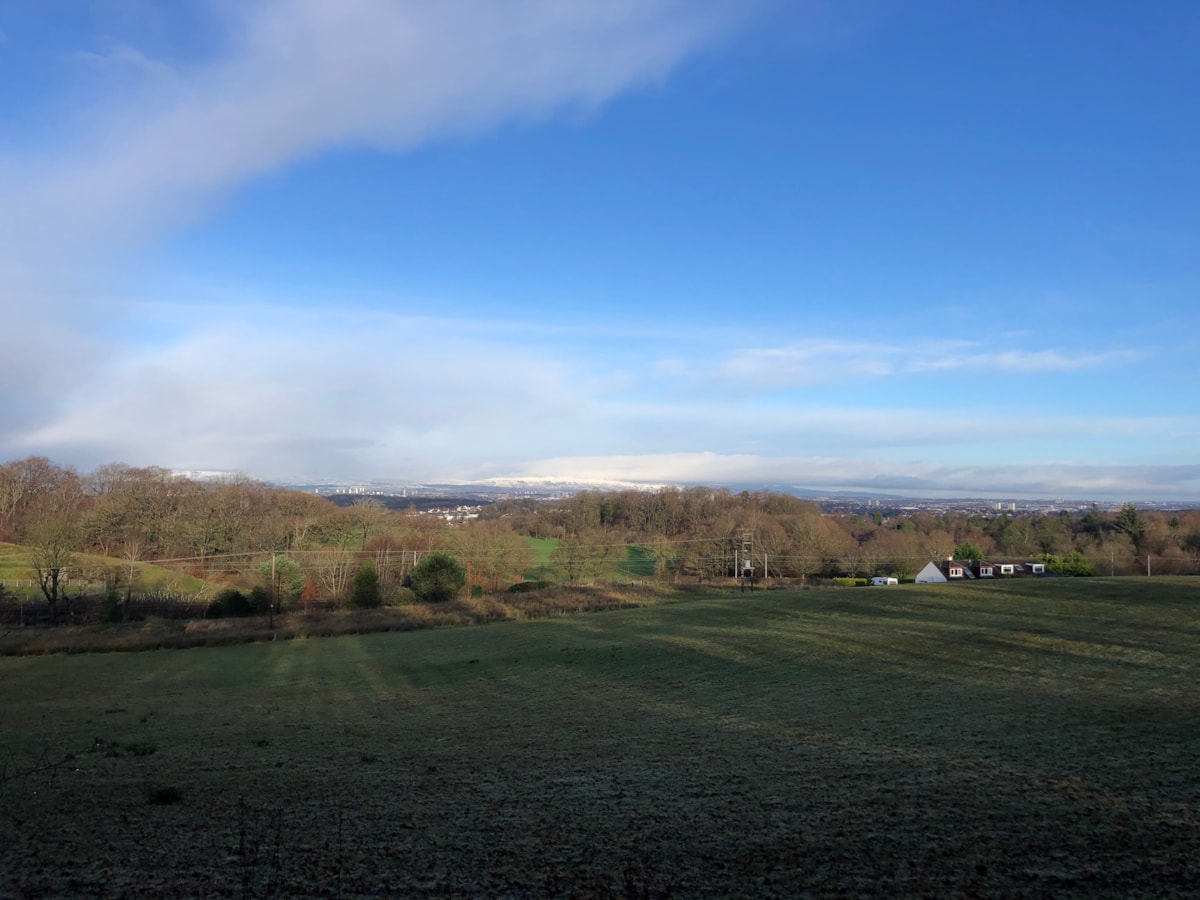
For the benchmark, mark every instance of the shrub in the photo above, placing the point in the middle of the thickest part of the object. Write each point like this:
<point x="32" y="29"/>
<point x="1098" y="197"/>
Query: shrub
<point x="111" y="611"/>
<point x="260" y="600"/>
<point x="1074" y="564"/>
<point x="365" y="593"/>
<point x="850" y="582"/>
<point x="438" y="577"/>
<point x="524" y="587"/>
<point x="230" y="602"/>
<point x="402" y="596"/>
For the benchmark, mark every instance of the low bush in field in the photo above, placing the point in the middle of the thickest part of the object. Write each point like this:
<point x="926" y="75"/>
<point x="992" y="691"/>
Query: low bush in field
<point x="229" y="602"/>
<point x="524" y="587"/>
<point x="850" y="582"/>
<point x="402" y="596"/>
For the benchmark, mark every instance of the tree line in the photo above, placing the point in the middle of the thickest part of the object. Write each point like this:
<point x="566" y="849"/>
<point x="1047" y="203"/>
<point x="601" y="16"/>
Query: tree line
<point x="696" y="532"/>
<point x="223" y="531"/>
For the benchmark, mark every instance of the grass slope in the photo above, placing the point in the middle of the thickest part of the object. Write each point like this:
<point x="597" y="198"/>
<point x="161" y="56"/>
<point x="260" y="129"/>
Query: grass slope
<point x="1023" y="739"/>
<point x="540" y="563"/>
<point x="633" y="562"/>
<point x="16" y="566"/>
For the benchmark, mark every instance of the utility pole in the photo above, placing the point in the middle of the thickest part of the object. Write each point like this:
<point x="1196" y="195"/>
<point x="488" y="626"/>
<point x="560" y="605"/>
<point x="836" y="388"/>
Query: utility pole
<point x="746" y="575"/>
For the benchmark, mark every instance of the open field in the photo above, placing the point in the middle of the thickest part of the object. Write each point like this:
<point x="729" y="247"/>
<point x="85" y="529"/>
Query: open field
<point x="1028" y="738"/>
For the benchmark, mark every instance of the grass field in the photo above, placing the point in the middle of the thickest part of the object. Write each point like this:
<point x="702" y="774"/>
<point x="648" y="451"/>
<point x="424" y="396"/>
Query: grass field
<point x="1030" y="738"/>
<point x="632" y="562"/>
<point x="16" y="571"/>
<point x="539" y="565"/>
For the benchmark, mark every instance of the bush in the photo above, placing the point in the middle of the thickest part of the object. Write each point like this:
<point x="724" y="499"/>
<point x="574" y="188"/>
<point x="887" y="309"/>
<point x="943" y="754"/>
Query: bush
<point x="230" y="602"/>
<point x="850" y="582"/>
<point x="438" y="577"/>
<point x="260" y="600"/>
<point x="1073" y="564"/>
<point x="111" y="611"/>
<point x="365" y="594"/>
<point x="402" y="596"/>
<point x="524" y="587"/>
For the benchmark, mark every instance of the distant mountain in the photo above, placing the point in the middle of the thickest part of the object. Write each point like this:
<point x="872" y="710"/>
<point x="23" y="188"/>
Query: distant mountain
<point x="539" y="486"/>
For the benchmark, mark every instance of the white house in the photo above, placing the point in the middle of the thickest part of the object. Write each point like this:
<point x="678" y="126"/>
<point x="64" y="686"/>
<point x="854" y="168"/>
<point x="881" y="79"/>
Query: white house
<point x="946" y="570"/>
<point x="931" y="574"/>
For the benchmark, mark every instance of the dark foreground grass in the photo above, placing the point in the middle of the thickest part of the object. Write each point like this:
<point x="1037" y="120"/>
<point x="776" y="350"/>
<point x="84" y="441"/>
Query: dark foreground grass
<point x="1025" y="739"/>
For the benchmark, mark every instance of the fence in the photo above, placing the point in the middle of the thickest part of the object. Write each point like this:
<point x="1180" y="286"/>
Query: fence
<point x="18" y="612"/>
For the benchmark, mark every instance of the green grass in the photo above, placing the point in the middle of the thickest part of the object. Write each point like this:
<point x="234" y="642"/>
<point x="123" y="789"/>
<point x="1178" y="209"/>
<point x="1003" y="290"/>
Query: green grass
<point x="16" y="565"/>
<point x="1017" y="739"/>
<point x="638" y="563"/>
<point x="540" y="566"/>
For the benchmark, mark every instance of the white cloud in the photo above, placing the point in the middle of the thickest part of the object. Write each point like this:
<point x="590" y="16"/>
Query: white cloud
<point x="821" y="361"/>
<point x="302" y="76"/>
<point x="320" y="394"/>
<point x="297" y="77"/>
<point x="894" y="476"/>
<point x="289" y="395"/>
<point x="1022" y="362"/>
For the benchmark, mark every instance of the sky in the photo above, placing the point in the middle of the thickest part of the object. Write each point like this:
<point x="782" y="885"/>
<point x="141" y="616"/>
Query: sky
<point x="917" y="247"/>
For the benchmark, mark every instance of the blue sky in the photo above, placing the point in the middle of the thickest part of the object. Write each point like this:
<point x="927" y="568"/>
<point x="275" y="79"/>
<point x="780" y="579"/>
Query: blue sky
<point x="917" y="247"/>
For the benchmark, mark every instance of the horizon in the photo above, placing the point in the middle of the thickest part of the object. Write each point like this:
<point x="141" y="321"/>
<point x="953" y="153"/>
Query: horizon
<point x="883" y="248"/>
<point x="534" y="485"/>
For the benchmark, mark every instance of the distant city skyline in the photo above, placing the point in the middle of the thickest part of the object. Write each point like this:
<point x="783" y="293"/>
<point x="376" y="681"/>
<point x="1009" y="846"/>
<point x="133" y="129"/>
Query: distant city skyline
<point x="924" y="249"/>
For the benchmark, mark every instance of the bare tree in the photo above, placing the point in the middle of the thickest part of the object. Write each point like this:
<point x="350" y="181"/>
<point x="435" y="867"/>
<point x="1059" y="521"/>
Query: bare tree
<point x="334" y="571"/>
<point x="52" y="544"/>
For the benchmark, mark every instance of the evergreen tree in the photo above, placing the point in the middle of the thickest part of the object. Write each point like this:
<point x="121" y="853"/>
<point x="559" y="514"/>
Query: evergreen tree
<point x="365" y="594"/>
<point x="438" y="577"/>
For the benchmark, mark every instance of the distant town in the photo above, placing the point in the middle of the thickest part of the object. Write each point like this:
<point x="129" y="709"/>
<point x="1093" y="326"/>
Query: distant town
<point x="459" y="501"/>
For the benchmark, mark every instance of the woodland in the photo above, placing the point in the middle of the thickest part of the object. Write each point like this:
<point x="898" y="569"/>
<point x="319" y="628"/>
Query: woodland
<point x="65" y="534"/>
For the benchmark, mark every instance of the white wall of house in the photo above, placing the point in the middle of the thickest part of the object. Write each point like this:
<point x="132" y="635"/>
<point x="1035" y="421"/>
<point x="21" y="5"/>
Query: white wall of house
<point x="931" y="574"/>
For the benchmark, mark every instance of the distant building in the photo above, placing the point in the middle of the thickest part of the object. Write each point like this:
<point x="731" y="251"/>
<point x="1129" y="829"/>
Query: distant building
<point x="945" y="570"/>
<point x="941" y="571"/>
